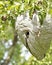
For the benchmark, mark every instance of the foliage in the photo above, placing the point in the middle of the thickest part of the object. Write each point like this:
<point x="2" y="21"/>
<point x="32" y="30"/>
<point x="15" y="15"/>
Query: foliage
<point x="9" y="10"/>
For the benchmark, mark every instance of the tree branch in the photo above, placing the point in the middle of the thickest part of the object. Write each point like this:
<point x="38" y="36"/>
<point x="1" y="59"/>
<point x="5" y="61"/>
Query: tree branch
<point x="11" y="50"/>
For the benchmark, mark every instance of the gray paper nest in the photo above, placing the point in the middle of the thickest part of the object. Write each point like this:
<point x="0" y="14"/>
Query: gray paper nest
<point x="35" y="37"/>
